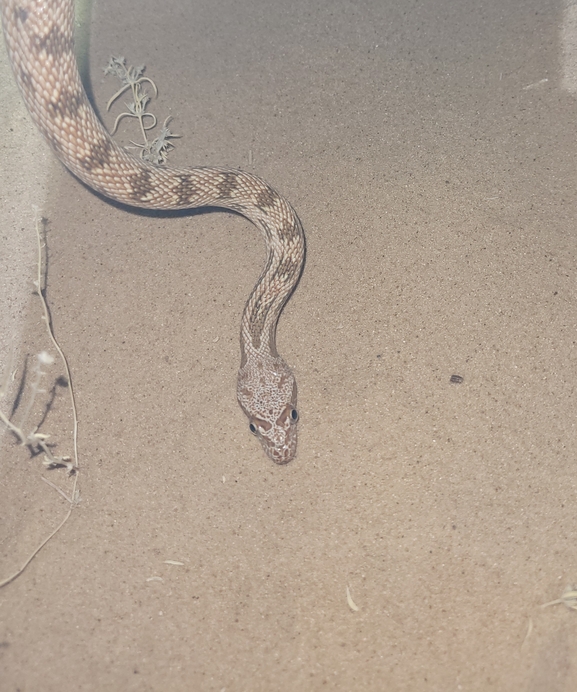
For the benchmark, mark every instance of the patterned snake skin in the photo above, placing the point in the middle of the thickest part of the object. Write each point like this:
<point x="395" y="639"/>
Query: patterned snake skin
<point x="39" y="37"/>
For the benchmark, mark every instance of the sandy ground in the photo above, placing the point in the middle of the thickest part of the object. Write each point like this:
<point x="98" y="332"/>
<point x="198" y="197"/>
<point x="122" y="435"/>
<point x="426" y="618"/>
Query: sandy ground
<point x="430" y="151"/>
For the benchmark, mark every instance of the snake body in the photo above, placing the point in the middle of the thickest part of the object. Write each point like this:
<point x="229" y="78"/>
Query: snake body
<point x="40" y="42"/>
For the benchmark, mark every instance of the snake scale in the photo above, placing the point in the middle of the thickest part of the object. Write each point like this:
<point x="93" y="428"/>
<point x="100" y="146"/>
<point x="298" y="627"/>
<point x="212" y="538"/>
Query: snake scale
<point x="40" y="43"/>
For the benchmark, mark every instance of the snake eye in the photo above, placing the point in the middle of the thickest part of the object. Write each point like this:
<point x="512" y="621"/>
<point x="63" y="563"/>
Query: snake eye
<point x="294" y="415"/>
<point x="252" y="428"/>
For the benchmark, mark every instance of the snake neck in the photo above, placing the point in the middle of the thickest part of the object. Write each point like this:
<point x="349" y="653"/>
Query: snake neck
<point x="285" y="244"/>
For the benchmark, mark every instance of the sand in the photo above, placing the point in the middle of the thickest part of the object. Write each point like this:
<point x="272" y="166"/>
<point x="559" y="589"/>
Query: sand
<point x="429" y="149"/>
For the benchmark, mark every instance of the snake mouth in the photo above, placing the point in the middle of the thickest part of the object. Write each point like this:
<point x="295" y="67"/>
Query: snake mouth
<point x="281" y="454"/>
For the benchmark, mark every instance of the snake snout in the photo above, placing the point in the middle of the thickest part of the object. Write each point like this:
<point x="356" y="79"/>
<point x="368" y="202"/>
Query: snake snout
<point x="281" y="445"/>
<point x="281" y="455"/>
<point x="278" y="439"/>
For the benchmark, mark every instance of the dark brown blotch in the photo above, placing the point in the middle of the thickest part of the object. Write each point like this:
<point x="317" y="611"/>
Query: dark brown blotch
<point x="21" y="14"/>
<point x="67" y="105"/>
<point x="290" y="230"/>
<point x="287" y="267"/>
<point x="98" y="156"/>
<point x="266" y="197"/>
<point x="183" y="190"/>
<point x="140" y="182"/>
<point x="227" y="185"/>
<point x="55" y="43"/>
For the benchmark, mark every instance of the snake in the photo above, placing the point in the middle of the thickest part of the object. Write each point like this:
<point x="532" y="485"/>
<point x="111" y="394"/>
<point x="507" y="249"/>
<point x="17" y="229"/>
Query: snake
<point x="39" y="36"/>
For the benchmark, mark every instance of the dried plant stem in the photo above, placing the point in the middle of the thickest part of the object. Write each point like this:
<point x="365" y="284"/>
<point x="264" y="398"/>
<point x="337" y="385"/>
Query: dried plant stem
<point x="74" y="498"/>
<point x="40" y="284"/>
<point x="35" y="552"/>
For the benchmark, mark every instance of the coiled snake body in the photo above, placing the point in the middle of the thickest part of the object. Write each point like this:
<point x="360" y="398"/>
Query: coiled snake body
<point x="39" y="37"/>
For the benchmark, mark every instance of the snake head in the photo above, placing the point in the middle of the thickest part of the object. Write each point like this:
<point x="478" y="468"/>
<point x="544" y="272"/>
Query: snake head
<point x="267" y="393"/>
